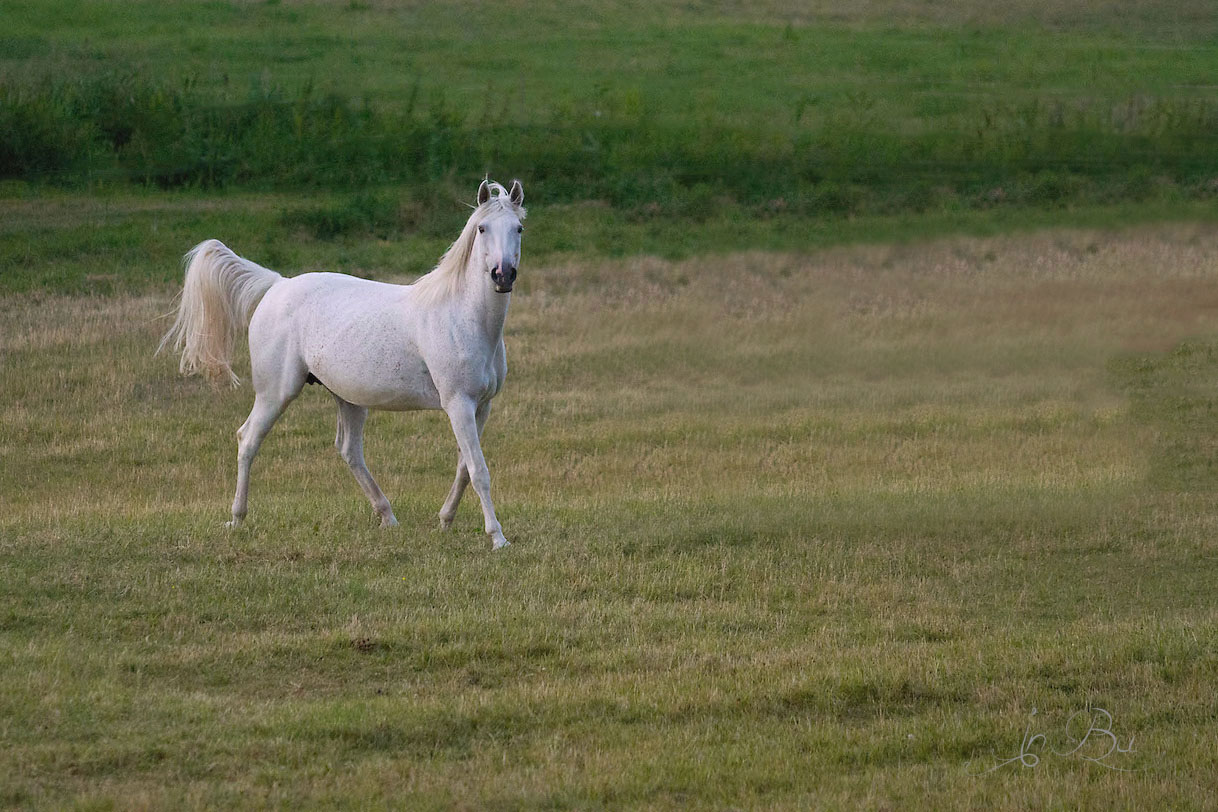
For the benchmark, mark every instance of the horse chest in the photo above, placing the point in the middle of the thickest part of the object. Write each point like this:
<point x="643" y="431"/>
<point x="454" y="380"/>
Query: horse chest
<point x="479" y="375"/>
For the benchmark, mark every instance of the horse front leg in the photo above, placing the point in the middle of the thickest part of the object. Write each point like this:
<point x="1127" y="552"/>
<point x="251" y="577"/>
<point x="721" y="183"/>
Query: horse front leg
<point x="462" y="413"/>
<point x="449" y="511"/>
<point x="349" y="441"/>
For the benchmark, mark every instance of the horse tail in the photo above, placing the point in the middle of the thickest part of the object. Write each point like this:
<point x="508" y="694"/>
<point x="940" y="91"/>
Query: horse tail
<point x="216" y="304"/>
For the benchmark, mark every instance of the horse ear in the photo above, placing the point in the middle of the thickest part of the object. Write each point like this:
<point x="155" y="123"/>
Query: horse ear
<point x="517" y="193"/>
<point x="484" y="192"/>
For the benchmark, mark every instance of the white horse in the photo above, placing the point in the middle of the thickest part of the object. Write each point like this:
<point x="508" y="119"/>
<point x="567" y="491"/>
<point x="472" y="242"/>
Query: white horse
<point x="436" y="344"/>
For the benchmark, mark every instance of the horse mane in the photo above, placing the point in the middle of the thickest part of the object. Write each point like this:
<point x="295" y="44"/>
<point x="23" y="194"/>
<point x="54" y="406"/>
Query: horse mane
<point x="444" y="281"/>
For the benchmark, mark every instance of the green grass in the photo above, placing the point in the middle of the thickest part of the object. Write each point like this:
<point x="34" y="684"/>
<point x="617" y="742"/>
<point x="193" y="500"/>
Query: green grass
<point x="790" y="530"/>
<point x="660" y="109"/>
<point x="126" y="241"/>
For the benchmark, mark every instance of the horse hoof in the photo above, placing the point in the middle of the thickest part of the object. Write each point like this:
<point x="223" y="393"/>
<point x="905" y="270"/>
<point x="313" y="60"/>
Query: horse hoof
<point x="446" y="525"/>
<point x="500" y="543"/>
<point x="233" y="525"/>
<point x="390" y="522"/>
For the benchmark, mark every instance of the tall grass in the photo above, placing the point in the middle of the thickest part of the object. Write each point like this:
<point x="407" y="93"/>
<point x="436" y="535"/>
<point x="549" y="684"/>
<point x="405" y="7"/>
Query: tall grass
<point x="661" y="110"/>
<point x="123" y="127"/>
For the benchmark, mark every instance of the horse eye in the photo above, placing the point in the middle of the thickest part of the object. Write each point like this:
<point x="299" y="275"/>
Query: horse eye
<point x="519" y="229"/>
<point x="481" y="229"/>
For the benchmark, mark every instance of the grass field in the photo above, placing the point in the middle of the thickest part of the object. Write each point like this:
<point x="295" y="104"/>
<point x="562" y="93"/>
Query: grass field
<point x="860" y="420"/>
<point x="672" y="111"/>
<point x="790" y="530"/>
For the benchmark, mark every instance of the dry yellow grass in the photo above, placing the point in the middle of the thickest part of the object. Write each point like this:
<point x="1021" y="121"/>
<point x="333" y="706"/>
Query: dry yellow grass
<point x="916" y="357"/>
<point x="791" y="531"/>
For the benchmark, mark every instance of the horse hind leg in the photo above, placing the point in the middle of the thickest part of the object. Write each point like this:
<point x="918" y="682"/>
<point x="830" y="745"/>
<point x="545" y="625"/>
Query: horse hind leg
<point x="267" y="409"/>
<point x="349" y="440"/>
<point x="339" y="434"/>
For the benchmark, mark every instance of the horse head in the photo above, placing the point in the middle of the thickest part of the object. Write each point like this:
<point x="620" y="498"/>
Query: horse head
<point x="497" y="243"/>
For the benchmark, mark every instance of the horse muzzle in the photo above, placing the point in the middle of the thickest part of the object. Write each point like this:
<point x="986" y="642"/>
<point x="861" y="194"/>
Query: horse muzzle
<point x="504" y="279"/>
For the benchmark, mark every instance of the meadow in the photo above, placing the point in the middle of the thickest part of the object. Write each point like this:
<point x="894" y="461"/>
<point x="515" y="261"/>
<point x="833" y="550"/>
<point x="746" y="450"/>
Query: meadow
<point x="816" y="530"/>
<point x="828" y="504"/>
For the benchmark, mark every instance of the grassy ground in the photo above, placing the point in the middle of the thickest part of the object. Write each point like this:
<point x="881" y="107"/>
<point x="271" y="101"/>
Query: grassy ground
<point x="382" y="48"/>
<point x="799" y="519"/>
<point x="791" y="530"/>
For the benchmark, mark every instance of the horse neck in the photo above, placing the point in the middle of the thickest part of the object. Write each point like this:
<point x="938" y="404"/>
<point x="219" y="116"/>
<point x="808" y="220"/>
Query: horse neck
<point x="481" y="306"/>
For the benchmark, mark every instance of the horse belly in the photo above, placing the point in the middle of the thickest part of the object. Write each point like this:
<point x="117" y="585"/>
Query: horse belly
<point x="365" y="357"/>
<point x="396" y="384"/>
